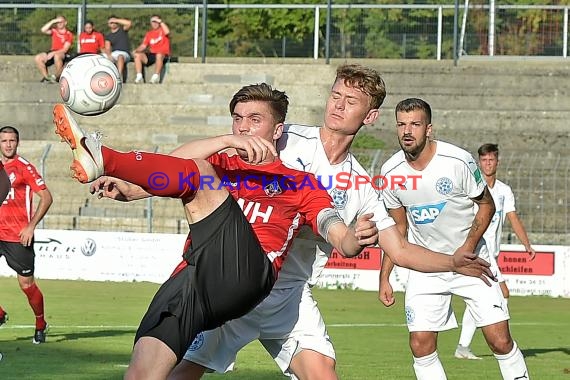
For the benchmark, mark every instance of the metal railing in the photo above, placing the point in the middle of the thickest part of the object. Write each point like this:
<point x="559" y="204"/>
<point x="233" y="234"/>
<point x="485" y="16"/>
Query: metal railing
<point x="349" y="31"/>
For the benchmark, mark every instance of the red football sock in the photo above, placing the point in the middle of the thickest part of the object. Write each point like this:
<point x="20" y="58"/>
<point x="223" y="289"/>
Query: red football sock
<point x="2" y="312"/>
<point x="36" y="301"/>
<point x="158" y="174"/>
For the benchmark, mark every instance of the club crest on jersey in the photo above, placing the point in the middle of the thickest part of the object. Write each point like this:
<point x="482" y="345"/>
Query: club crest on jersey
<point x="339" y="197"/>
<point x="426" y="214"/>
<point x="444" y="186"/>
<point x="273" y="188"/>
<point x="197" y="342"/>
<point x="410" y="315"/>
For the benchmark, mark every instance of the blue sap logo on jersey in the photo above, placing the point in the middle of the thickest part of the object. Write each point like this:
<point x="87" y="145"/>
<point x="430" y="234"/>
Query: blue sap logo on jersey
<point x="426" y="214"/>
<point x="197" y="343"/>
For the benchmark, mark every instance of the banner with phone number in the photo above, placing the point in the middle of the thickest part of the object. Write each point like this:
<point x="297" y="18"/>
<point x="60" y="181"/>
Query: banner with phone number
<point x="548" y="274"/>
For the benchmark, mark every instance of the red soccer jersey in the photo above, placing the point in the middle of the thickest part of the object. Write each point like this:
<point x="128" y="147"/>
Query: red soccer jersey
<point x="276" y="200"/>
<point x="157" y="41"/>
<point x="58" y="40"/>
<point x="16" y="211"/>
<point x="91" y="42"/>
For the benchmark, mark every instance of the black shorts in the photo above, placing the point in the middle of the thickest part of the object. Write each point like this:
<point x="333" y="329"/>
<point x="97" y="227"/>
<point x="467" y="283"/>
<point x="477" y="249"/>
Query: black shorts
<point x="228" y="274"/>
<point x="51" y="61"/>
<point x="19" y="257"/>
<point x="151" y="59"/>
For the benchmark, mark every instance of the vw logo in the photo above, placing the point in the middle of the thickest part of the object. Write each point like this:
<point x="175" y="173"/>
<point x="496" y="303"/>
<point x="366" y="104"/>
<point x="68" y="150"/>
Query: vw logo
<point x="88" y="247"/>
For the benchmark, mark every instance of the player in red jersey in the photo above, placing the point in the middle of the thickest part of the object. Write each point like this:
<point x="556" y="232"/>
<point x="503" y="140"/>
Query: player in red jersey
<point x="61" y="40"/>
<point x="237" y="243"/>
<point x="90" y="40"/>
<point x="157" y="41"/>
<point x="4" y="185"/>
<point x="18" y="222"/>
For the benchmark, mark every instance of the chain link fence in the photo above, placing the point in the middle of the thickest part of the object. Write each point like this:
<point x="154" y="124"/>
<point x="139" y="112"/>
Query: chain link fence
<point x="357" y="30"/>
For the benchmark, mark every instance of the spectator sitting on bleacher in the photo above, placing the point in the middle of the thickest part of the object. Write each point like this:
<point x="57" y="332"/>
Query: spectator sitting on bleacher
<point x="61" y="40"/>
<point x="158" y="43"/>
<point x="117" y="43"/>
<point x="90" y="40"/>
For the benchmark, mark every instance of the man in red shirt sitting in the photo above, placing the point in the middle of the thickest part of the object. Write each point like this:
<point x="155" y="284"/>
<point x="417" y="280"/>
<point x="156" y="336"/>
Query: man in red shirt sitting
<point x="61" y="40"/>
<point x="157" y="41"/>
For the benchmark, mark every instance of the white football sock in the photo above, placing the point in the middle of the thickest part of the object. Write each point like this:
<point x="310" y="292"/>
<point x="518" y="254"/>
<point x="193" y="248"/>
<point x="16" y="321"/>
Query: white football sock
<point x="429" y="367"/>
<point x="467" y="329"/>
<point x="512" y="365"/>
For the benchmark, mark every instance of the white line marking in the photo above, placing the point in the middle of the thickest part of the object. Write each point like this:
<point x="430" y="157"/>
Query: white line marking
<point x="340" y="325"/>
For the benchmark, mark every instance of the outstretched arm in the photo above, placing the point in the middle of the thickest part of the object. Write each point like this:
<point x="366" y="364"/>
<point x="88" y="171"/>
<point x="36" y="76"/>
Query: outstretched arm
<point x="408" y="255"/>
<point x="349" y="241"/>
<point x="252" y="148"/>
<point x="117" y="189"/>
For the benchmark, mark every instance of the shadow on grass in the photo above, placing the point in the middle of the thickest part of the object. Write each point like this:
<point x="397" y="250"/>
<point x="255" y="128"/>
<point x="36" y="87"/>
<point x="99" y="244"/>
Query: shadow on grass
<point x="537" y="351"/>
<point x="61" y="336"/>
<point x="242" y="373"/>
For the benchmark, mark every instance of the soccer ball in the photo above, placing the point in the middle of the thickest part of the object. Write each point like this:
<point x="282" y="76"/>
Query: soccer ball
<point x="90" y="85"/>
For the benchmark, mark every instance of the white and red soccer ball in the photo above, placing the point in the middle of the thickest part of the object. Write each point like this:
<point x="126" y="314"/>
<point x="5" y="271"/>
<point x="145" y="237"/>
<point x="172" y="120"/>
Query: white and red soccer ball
<point x="90" y="84"/>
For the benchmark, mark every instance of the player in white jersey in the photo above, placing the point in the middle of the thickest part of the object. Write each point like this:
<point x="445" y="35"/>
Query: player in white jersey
<point x="288" y="322"/>
<point x="504" y="208"/>
<point x="447" y="208"/>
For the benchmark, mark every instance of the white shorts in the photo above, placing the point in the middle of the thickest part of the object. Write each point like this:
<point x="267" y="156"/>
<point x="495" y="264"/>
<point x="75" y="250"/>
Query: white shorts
<point x="495" y="268"/>
<point x="428" y="301"/>
<point x="286" y="322"/>
<point x="120" y="53"/>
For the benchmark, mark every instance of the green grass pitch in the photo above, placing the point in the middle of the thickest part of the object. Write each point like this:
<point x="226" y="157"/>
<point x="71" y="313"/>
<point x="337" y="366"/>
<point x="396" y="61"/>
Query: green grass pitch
<point x="93" y="324"/>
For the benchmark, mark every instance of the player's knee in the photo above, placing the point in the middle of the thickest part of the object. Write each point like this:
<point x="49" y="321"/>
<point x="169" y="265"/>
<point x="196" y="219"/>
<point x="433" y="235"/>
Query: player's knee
<point x="133" y="373"/>
<point x="312" y="365"/>
<point x="186" y="370"/>
<point x="423" y="344"/>
<point x="501" y="344"/>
